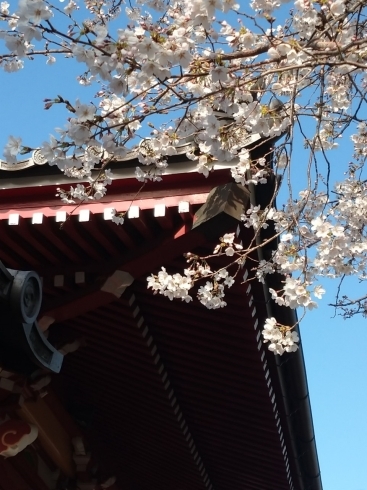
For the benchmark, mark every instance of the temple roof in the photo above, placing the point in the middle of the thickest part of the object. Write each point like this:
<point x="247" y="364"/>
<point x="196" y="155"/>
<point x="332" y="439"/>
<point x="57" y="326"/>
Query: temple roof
<point x="170" y="396"/>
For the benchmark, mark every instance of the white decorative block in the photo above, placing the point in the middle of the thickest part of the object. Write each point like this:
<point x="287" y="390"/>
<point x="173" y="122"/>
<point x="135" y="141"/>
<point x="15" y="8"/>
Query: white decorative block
<point x="37" y="218"/>
<point x="133" y="212"/>
<point x="84" y="215"/>
<point x="159" y="210"/>
<point x="59" y="281"/>
<point x="80" y="277"/>
<point x="13" y="219"/>
<point x="183" y="207"/>
<point x="60" y="216"/>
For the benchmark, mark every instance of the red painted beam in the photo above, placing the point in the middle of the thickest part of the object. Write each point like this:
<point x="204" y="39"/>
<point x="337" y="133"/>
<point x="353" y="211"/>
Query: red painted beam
<point x="139" y="264"/>
<point x="220" y="213"/>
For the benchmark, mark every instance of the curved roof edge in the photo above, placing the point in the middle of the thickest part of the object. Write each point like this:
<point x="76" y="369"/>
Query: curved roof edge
<point x="290" y="368"/>
<point x="35" y="171"/>
<point x="293" y="384"/>
<point x="30" y="175"/>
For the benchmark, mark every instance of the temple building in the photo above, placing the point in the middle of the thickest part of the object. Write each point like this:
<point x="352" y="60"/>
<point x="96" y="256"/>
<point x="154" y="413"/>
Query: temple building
<point x="105" y="385"/>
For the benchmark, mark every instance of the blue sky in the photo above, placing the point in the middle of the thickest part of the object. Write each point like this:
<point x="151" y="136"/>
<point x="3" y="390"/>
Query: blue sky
<point x="336" y="364"/>
<point x="335" y="350"/>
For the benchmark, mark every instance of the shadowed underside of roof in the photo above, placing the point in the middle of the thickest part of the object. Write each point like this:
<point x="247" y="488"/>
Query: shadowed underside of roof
<point x="176" y="395"/>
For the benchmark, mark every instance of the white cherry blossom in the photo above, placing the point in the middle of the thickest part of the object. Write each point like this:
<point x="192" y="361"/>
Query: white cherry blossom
<point x="281" y="339"/>
<point x="190" y="78"/>
<point x="12" y="149"/>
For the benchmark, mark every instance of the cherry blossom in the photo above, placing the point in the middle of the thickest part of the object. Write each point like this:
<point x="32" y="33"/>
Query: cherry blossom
<point x="227" y="245"/>
<point x="218" y="79"/>
<point x="172" y="286"/>
<point x="117" y="218"/>
<point x="282" y="339"/>
<point x="12" y="148"/>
